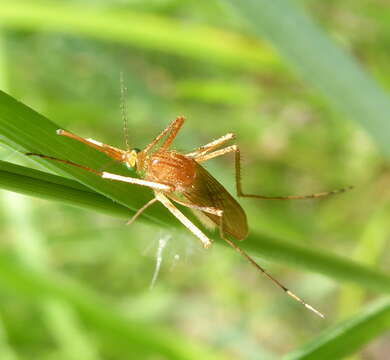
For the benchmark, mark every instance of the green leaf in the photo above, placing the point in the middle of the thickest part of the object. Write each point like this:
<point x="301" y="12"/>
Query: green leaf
<point x="145" y="31"/>
<point x="321" y="63"/>
<point x="52" y="187"/>
<point x="347" y="337"/>
<point x="25" y="130"/>
<point x="319" y="261"/>
<point x="111" y="325"/>
<point x="22" y="128"/>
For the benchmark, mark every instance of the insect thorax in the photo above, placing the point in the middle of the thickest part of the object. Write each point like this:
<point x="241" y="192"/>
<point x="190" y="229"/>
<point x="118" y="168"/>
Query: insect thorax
<point x="171" y="168"/>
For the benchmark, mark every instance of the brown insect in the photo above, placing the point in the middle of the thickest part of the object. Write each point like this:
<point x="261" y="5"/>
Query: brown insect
<point x="180" y="178"/>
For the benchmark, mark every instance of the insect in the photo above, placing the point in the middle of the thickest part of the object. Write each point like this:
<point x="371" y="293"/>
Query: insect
<point x="180" y="178"/>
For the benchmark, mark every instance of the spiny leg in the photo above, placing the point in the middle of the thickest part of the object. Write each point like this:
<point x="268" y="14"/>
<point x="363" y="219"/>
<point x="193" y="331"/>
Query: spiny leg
<point x="211" y="146"/>
<point x="173" y="128"/>
<point x="183" y="219"/>
<point x="107" y="175"/>
<point x="240" y="193"/>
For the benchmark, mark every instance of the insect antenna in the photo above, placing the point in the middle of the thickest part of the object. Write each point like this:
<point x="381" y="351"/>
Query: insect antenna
<point x="269" y="276"/>
<point x="124" y="110"/>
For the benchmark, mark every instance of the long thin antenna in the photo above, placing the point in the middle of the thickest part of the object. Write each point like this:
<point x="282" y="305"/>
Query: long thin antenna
<point x="269" y="276"/>
<point x="124" y="109"/>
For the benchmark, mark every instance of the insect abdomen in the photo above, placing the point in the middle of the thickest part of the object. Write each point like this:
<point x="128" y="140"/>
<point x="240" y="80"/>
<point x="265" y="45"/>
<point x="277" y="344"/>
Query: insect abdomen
<point x="208" y="192"/>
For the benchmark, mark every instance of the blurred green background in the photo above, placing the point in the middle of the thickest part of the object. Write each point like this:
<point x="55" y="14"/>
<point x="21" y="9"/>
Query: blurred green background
<point x="76" y="284"/>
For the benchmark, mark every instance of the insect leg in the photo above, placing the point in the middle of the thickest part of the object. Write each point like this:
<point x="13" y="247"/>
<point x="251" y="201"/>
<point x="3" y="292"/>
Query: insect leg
<point x="136" y="181"/>
<point x="107" y="175"/>
<point x="112" y="152"/>
<point x="240" y="193"/>
<point x="183" y="219"/>
<point x="211" y="146"/>
<point x="266" y="273"/>
<point x="140" y="211"/>
<point x="173" y="128"/>
<point x="219" y="213"/>
<point x="208" y="209"/>
<point x="214" y="154"/>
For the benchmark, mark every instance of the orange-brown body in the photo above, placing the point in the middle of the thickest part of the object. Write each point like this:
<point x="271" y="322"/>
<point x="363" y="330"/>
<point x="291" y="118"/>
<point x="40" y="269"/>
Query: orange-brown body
<point x="171" y="168"/>
<point x="189" y="180"/>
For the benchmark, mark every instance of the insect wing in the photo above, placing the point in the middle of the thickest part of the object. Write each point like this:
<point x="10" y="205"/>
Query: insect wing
<point x="208" y="192"/>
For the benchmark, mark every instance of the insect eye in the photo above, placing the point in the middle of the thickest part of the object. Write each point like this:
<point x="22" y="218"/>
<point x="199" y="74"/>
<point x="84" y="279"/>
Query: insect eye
<point x="136" y="150"/>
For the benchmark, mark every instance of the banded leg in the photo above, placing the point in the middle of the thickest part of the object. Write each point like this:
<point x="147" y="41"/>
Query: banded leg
<point x="107" y="175"/>
<point x="240" y="193"/>
<point x="269" y="276"/>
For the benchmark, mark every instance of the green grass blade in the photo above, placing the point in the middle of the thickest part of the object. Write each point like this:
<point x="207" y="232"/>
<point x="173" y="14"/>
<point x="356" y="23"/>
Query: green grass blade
<point x="369" y="250"/>
<point x="36" y="183"/>
<point x="25" y="130"/>
<point x="52" y="187"/>
<point x="349" y="336"/>
<point x="6" y="350"/>
<point x="22" y="128"/>
<point x="321" y="63"/>
<point x="109" y="323"/>
<point x="146" y="31"/>
<point x="333" y="266"/>
<point x="29" y="245"/>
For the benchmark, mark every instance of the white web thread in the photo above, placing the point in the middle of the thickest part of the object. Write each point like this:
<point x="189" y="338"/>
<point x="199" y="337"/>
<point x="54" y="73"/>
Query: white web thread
<point x="176" y="259"/>
<point x="161" y="246"/>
